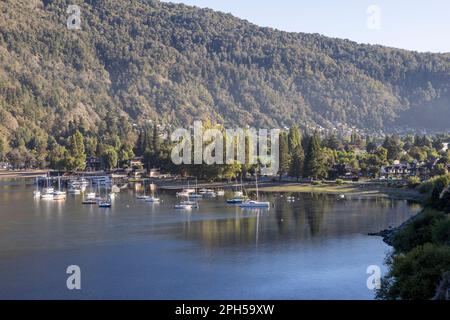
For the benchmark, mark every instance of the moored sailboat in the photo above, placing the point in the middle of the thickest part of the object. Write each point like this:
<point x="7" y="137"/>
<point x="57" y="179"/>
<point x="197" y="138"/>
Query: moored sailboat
<point x="255" y="203"/>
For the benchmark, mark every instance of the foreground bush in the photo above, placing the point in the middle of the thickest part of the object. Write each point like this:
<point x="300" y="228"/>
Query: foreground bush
<point x="441" y="232"/>
<point x="435" y="183"/>
<point x="413" y="182"/>
<point x="418" y="232"/>
<point x="415" y="275"/>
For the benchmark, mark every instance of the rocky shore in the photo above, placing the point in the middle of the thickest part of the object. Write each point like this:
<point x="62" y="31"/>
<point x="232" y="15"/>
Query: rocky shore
<point x="389" y="234"/>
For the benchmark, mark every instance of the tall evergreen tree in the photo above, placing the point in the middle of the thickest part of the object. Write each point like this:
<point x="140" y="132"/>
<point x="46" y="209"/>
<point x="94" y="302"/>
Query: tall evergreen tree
<point x="294" y="137"/>
<point x="393" y="146"/>
<point x="297" y="154"/>
<point x="314" y="161"/>
<point x="77" y="154"/>
<point x="2" y="149"/>
<point x="156" y="144"/>
<point x="285" y="159"/>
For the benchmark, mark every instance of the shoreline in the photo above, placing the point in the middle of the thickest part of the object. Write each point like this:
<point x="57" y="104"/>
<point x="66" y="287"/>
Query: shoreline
<point x="6" y="174"/>
<point x="361" y="189"/>
<point x="353" y="189"/>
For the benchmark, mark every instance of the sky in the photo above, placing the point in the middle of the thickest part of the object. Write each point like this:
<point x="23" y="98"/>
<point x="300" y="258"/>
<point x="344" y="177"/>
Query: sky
<point x="421" y="25"/>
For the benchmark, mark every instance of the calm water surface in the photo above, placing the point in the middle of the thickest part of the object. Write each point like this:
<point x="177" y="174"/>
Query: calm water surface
<point x="313" y="248"/>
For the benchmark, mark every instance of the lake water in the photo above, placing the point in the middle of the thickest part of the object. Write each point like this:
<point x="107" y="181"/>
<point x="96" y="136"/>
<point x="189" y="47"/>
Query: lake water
<point x="313" y="248"/>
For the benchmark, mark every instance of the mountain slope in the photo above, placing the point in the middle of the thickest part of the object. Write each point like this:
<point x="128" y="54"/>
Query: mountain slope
<point x="138" y="60"/>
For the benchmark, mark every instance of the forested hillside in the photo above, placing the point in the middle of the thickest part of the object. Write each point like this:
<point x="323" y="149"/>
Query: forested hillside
<point x="142" y="59"/>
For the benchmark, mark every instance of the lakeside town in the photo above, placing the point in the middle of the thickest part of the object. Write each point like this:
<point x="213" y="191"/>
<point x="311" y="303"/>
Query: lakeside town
<point x="303" y="158"/>
<point x="392" y="166"/>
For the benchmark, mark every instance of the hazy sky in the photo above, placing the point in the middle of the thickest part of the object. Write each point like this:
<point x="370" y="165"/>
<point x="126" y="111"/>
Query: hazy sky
<point x="422" y="25"/>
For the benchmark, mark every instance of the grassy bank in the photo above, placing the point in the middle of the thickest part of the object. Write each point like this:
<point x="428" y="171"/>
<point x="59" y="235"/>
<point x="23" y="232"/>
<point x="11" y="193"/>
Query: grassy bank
<point x="359" y="189"/>
<point x="6" y="174"/>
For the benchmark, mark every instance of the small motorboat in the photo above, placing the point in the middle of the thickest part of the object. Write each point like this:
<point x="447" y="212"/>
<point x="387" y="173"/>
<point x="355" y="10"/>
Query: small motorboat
<point x="152" y="200"/>
<point x="183" y="194"/>
<point x="47" y="196"/>
<point x="254" y="204"/>
<point x="210" y="194"/>
<point x="105" y="203"/>
<point x="236" y="200"/>
<point x="89" y="201"/>
<point x="183" y="207"/>
<point x="74" y="191"/>
<point x="91" y="195"/>
<point x="48" y="190"/>
<point x="238" y="194"/>
<point x="187" y="205"/>
<point x="59" y="195"/>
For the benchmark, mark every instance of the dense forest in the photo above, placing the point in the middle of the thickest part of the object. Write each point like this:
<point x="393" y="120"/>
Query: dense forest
<point x="135" y="61"/>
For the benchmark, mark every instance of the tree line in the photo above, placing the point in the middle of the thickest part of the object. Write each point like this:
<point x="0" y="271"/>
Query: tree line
<point x="302" y="154"/>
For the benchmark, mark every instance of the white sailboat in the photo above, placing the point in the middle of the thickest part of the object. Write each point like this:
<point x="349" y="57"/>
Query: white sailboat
<point x="59" y="195"/>
<point x="47" y="192"/>
<point x="91" y="197"/>
<point x="239" y="197"/>
<point x="152" y="198"/>
<point x="196" y="195"/>
<point x="143" y="196"/>
<point x="255" y="203"/>
<point x="106" y="201"/>
<point x="37" y="192"/>
<point x="187" y="204"/>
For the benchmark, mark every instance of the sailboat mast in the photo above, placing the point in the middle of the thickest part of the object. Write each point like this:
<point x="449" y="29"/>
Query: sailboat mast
<point x="257" y="193"/>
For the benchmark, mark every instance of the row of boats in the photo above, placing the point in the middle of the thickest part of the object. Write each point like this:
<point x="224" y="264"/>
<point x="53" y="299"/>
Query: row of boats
<point x="76" y="187"/>
<point x="190" y="195"/>
<point x="238" y="199"/>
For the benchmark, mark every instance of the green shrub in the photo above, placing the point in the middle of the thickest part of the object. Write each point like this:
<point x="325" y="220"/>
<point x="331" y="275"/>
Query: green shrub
<point x="339" y="182"/>
<point x="413" y="182"/>
<point x="426" y="187"/>
<point x="316" y="183"/>
<point x="417" y="232"/>
<point x="416" y="274"/>
<point x="434" y="187"/>
<point x="441" y="232"/>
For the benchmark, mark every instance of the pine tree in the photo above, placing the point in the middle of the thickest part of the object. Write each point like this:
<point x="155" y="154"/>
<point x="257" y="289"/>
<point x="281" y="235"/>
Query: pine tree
<point x="294" y="137"/>
<point x="314" y="162"/>
<point x="156" y="144"/>
<point x="297" y="154"/>
<point x="77" y="154"/>
<point x="285" y="160"/>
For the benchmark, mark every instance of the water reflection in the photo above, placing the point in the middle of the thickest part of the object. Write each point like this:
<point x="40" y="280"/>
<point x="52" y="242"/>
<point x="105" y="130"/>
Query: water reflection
<point x="291" y="250"/>
<point x="309" y="217"/>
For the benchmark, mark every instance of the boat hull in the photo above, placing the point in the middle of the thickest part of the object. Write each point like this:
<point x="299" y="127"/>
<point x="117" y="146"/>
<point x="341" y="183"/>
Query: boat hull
<point x="255" y="205"/>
